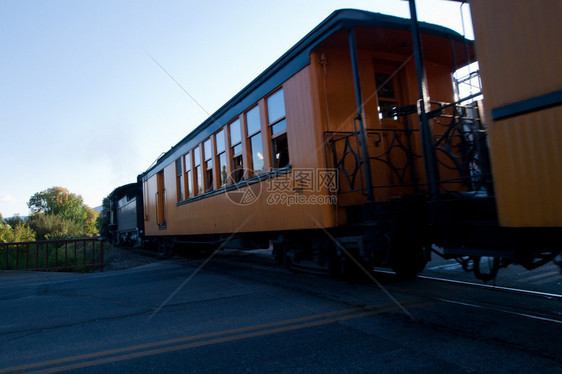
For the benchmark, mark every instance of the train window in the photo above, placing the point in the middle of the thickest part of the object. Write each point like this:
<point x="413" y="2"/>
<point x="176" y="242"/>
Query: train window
<point x="276" y="107"/>
<point x="198" y="171"/>
<point x="278" y="126"/>
<point x="387" y="95"/>
<point x="208" y="152"/>
<point x="253" y="120"/>
<point x="253" y="125"/>
<point x="238" y="167"/>
<point x="280" y="148"/>
<point x="208" y="149"/>
<point x="223" y="173"/>
<point x="385" y="86"/>
<point x="221" y="157"/>
<point x="180" y="188"/>
<point x="236" y="147"/>
<point x="188" y="175"/>
<point x="219" y="140"/>
<point x="257" y="153"/>
<point x="209" y="176"/>
<point x="235" y="134"/>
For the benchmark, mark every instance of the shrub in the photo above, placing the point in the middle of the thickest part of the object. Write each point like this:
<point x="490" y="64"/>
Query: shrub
<point x="51" y="227"/>
<point x="19" y="233"/>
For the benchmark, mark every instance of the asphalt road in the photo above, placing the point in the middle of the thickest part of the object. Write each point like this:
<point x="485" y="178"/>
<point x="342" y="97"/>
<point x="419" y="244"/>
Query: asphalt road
<point x="240" y="313"/>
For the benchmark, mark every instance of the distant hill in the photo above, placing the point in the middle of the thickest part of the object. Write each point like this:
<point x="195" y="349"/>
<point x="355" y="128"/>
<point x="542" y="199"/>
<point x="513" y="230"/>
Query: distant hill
<point x="98" y="208"/>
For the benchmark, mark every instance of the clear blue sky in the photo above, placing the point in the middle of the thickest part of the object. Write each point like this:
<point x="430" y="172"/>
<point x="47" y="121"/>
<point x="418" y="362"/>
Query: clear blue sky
<point x="84" y="106"/>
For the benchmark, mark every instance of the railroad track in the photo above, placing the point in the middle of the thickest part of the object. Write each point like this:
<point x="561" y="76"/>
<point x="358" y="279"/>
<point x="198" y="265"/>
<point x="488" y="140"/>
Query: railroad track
<point x="520" y="291"/>
<point x="519" y="302"/>
<point x="528" y="304"/>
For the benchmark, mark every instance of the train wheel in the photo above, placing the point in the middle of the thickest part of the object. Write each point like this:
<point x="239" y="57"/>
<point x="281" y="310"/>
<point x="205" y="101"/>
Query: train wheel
<point x="336" y="265"/>
<point x="408" y="258"/>
<point x="492" y="265"/>
<point x="166" y="248"/>
<point x="355" y="268"/>
<point x="284" y="255"/>
<point x="279" y="253"/>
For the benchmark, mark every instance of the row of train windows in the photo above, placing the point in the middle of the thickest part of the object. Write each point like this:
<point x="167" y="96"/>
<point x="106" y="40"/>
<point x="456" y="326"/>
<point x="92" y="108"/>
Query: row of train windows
<point x="219" y="160"/>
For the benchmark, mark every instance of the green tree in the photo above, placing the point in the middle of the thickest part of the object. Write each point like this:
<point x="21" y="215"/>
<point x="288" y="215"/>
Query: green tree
<point x="15" y="230"/>
<point x="6" y="233"/>
<point x="58" y="201"/>
<point x="91" y="221"/>
<point x="60" y="214"/>
<point x="103" y="219"/>
<point x="14" y="221"/>
<point x="23" y="233"/>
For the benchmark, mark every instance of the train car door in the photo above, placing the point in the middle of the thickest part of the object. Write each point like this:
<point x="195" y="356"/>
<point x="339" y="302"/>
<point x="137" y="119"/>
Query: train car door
<point x="160" y="200"/>
<point x="394" y="150"/>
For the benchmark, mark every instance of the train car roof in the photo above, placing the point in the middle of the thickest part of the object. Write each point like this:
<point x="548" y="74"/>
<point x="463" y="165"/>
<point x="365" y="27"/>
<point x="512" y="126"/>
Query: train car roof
<point x="127" y="189"/>
<point x="290" y="63"/>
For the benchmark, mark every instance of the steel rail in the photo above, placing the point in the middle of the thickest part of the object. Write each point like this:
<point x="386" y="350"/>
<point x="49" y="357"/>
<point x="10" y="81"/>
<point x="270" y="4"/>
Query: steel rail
<point x="520" y="291"/>
<point x="501" y="310"/>
<point x="495" y="288"/>
<point x="552" y="318"/>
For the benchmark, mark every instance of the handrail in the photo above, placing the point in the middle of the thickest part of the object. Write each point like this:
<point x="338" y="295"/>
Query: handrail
<point x="459" y="140"/>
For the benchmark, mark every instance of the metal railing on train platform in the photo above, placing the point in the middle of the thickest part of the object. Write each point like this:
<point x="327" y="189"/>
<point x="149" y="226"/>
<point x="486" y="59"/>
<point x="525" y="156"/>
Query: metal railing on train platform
<point x="395" y="154"/>
<point x="53" y="255"/>
<point x="390" y="149"/>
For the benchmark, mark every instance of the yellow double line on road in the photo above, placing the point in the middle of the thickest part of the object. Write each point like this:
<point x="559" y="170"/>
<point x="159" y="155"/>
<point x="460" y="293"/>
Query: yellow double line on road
<point x="201" y="340"/>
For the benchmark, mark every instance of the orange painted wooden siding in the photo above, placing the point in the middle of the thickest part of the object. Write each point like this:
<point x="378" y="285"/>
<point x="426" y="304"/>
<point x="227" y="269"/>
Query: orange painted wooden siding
<point x="332" y="62"/>
<point x="518" y="46"/>
<point x="218" y="214"/>
<point x="319" y="98"/>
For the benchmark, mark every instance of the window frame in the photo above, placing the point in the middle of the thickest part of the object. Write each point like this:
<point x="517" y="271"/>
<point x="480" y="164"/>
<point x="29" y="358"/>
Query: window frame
<point x="208" y="164"/>
<point x="222" y="179"/>
<point x="283" y="133"/>
<point x="389" y="68"/>
<point x="257" y="134"/>
<point x="198" y="170"/>
<point x="180" y="180"/>
<point x="232" y="145"/>
<point x="188" y="170"/>
<point x="239" y="155"/>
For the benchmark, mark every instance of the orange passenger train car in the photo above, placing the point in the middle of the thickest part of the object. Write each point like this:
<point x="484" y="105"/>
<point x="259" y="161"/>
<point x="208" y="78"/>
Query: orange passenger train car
<point x="323" y="157"/>
<point x="522" y="87"/>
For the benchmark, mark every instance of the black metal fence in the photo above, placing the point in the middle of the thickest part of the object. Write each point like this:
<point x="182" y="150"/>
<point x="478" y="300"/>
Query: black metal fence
<point x="53" y="255"/>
